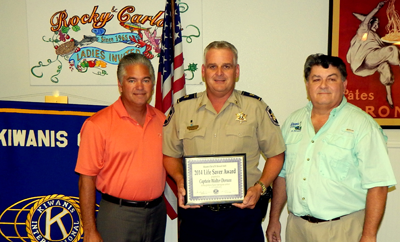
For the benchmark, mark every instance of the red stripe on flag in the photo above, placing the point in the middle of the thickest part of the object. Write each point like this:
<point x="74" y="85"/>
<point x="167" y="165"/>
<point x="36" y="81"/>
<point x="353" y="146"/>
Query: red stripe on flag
<point x="179" y="84"/>
<point x="178" y="60"/>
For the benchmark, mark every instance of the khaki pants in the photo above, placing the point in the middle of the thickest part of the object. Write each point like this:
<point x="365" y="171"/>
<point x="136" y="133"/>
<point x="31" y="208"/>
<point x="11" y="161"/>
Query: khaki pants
<point x="347" y="229"/>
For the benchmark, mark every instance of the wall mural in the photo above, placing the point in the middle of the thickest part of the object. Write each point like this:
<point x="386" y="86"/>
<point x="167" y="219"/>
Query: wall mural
<point x="81" y="43"/>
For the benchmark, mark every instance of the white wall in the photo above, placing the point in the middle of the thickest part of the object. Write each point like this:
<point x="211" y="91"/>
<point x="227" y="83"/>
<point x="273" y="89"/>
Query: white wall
<point x="273" y="39"/>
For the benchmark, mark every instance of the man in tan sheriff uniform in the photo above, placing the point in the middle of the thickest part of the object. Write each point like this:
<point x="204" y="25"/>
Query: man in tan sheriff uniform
<point x="223" y="120"/>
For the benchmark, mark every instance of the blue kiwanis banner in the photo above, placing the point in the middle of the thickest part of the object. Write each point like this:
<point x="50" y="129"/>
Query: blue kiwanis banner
<point x="39" y="189"/>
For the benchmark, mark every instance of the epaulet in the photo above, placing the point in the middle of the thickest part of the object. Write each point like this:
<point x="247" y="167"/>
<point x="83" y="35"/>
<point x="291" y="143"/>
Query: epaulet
<point x="247" y="94"/>
<point x="187" y="97"/>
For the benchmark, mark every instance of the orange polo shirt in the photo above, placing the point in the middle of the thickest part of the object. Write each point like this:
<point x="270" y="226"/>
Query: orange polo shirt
<point x="126" y="158"/>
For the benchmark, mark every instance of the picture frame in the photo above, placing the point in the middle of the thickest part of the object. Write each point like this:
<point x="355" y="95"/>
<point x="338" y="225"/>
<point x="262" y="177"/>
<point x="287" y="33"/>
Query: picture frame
<point x="215" y="179"/>
<point x="372" y="69"/>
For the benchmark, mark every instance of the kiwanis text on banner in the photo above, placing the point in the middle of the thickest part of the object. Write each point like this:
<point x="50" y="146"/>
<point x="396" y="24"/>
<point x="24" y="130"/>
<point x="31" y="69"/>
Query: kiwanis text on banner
<point x="39" y="188"/>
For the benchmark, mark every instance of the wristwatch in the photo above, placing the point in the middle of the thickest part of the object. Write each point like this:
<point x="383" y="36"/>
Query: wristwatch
<point x="264" y="189"/>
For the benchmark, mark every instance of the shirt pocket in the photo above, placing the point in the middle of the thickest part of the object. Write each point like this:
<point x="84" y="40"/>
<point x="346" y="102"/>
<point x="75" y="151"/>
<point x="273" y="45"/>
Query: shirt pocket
<point x="193" y="140"/>
<point x="240" y="137"/>
<point x="292" y="150"/>
<point x="336" y="159"/>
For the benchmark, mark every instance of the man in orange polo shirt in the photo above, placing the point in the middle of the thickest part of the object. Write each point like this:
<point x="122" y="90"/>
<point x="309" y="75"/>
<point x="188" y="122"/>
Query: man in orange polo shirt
<point x="120" y="155"/>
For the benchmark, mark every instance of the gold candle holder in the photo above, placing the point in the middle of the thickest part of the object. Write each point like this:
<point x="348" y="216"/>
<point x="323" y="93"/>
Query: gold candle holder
<point x="56" y="98"/>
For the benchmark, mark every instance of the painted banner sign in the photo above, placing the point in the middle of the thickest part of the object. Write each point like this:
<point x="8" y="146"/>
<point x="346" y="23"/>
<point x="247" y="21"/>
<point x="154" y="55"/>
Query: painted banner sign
<point x="39" y="199"/>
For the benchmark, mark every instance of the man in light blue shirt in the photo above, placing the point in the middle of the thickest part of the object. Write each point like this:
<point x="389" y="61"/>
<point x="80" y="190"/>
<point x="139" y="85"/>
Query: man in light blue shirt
<point x="337" y="170"/>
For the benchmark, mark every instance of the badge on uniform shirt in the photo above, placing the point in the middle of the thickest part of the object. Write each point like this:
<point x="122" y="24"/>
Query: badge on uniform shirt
<point x="191" y="126"/>
<point x="168" y="119"/>
<point x="241" y="117"/>
<point x="272" y="116"/>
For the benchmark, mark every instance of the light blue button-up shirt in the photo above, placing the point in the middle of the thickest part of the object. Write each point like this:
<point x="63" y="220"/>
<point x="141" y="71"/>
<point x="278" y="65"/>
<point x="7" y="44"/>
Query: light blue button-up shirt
<point x="329" y="173"/>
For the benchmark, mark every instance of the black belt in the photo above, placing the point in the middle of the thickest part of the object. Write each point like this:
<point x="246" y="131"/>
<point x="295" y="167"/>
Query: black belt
<point x="129" y="203"/>
<point x="317" y="220"/>
<point x="220" y="207"/>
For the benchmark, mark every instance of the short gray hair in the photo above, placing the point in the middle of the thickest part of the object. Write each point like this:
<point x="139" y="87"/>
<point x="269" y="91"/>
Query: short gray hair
<point x="131" y="59"/>
<point x="221" y="45"/>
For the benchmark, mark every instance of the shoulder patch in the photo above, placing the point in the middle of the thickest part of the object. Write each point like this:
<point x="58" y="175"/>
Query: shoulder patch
<point x="271" y="115"/>
<point x="247" y="94"/>
<point x="169" y="117"/>
<point x="187" y="97"/>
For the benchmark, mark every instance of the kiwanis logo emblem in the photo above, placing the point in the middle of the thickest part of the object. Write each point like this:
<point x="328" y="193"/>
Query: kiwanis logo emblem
<point x="54" y="218"/>
<point x="46" y="219"/>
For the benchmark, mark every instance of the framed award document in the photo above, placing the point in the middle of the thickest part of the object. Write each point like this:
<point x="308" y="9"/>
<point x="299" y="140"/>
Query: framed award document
<point x="215" y="179"/>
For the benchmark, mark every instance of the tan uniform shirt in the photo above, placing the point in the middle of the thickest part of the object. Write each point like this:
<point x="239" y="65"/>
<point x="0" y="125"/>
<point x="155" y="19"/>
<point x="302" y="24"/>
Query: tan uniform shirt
<point x="245" y="124"/>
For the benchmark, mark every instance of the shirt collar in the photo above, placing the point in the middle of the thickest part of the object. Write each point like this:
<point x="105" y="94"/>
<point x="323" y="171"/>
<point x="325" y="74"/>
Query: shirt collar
<point x="234" y="98"/>
<point x="121" y="110"/>
<point x="334" y="111"/>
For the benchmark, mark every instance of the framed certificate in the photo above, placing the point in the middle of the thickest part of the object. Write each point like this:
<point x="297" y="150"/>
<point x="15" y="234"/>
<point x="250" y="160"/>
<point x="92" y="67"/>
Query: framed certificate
<point x="215" y="179"/>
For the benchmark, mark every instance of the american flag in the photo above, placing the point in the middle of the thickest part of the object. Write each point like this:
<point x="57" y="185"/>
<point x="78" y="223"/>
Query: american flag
<point x="170" y="81"/>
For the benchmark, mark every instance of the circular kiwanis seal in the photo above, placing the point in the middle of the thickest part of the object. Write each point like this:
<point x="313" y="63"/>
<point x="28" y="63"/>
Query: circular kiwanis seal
<point x="54" y="218"/>
<point x="216" y="191"/>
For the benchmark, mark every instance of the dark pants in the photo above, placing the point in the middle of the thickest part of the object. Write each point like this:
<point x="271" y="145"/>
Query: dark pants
<point x="239" y="225"/>
<point x="134" y="224"/>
